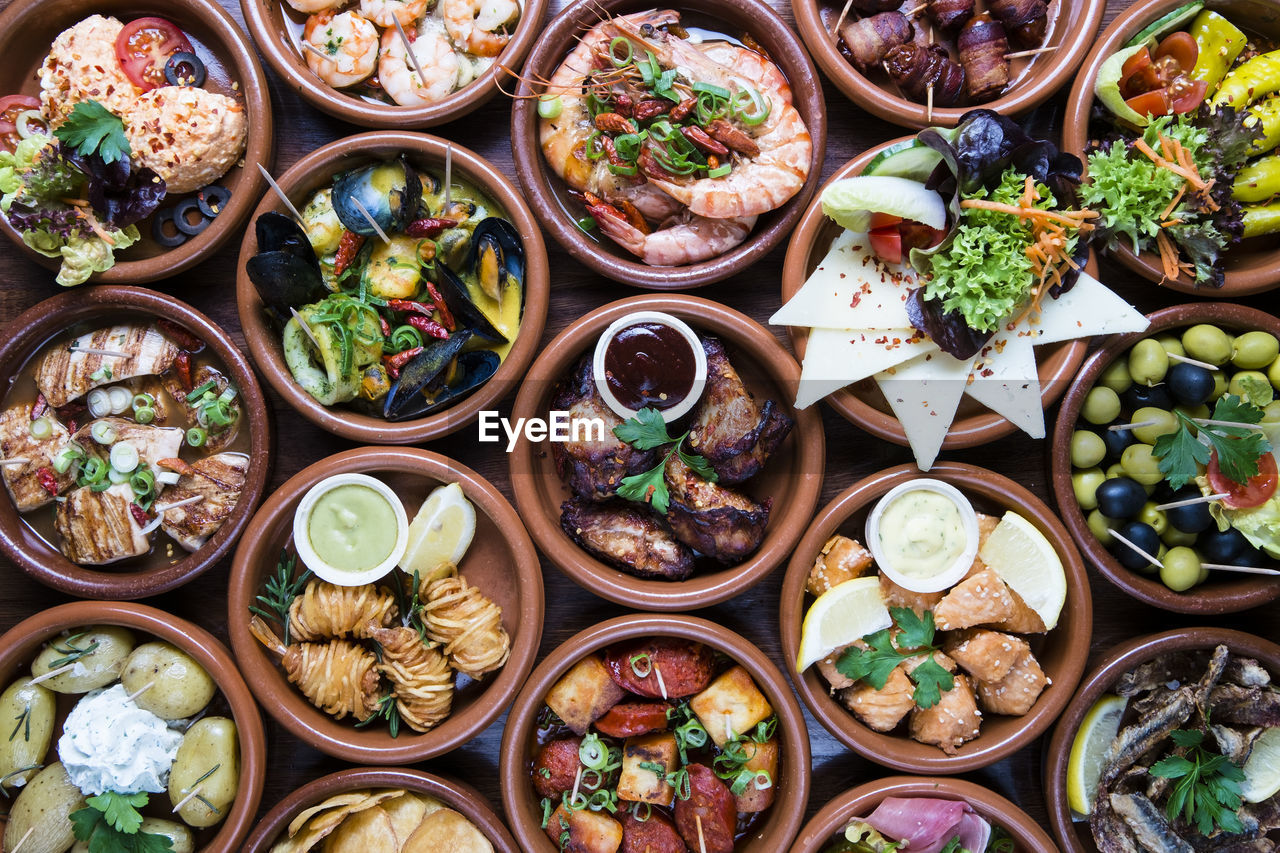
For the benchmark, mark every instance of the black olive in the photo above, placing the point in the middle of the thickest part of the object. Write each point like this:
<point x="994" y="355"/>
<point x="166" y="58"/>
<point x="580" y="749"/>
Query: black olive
<point x="1121" y="497"/>
<point x="1157" y="396"/>
<point x="213" y="200"/>
<point x="188" y="217"/>
<point x="1192" y="518"/>
<point x="1116" y="440"/>
<point x="1142" y="535"/>
<point x="184" y="69"/>
<point x="1252" y="558"/>
<point x="1189" y="384"/>
<point x="164" y="230"/>
<point x="1222" y="547"/>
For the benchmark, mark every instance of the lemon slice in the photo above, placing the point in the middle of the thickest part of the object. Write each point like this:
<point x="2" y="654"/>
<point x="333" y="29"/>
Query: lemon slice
<point x="1028" y="563"/>
<point x="844" y="613"/>
<point x="441" y="532"/>
<point x="1084" y="766"/>
<point x="1262" y="770"/>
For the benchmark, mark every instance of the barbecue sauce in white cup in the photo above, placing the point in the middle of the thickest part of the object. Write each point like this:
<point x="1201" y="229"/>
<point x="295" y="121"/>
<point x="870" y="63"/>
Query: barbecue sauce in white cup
<point x="650" y="359"/>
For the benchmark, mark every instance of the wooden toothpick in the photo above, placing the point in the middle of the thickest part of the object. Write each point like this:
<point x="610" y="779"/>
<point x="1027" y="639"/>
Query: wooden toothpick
<point x="23" y="840"/>
<point x="106" y="353"/>
<point x="315" y="51"/>
<point x="139" y="691"/>
<point x="305" y="327"/>
<point x="1173" y="356"/>
<point x="1035" y="51"/>
<point x="1203" y="499"/>
<point x="844" y="13"/>
<point x="53" y="673"/>
<point x="1133" y="425"/>
<point x="448" y="176"/>
<point x="1246" y="570"/>
<point x="408" y="49"/>
<point x="17" y="460"/>
<point x="364" y="211"/>
<point x="195" y="792"/>
<point x="1150" y="559"/>
<point x="284" y="198"/>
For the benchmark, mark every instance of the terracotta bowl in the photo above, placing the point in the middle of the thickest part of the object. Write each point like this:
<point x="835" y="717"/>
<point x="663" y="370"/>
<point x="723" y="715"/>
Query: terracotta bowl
<point x="25" y="336"/>
<point x="519" y="737"/>
<point x="316" y="170"/>
<point x="277" y="31"/>
<point x="1061" y="653"/>
<point x="548" y="192"/>
<point x="1075" y="837"/>
<point x="862" y="403"/>
<point x="1250" y="268"/>
<point x="28" y="28"/>
<point x="829" y="823"/>
<point x="1223" y="593"/>
<point x="20" y="645"/>
<point x="455" y="795"/>
<point x="792" y="477"/>
<point x="1071" y="30"/>
<point x="501" y="562"/>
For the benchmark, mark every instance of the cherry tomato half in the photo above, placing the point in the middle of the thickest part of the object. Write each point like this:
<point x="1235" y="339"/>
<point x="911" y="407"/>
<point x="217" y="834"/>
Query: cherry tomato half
<point x="12" y="106"/>
<point x="1181" y="47"/>
<point x="1153" y="103"/>
<point x="1186" y="94"/>
<point x="1131" y="71"/>
<point x="1256" y="492"/>
<point x="886" y="242"/>
<point x="144" y="45"/>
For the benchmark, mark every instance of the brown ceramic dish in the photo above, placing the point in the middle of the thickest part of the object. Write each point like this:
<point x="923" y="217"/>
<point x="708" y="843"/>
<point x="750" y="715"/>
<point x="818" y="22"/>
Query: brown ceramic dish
<point x="548" y="193"/>
<point x="1061" y="653"/>
<point x="455" y="795"/>
<point x="277" y="31"/>
<point x="1071" y="30"/>
<point x="792" y="477"/>
<point x="519" y="738"/>
<point x="1223" y="593"/>
<point x="829" y="823"/>
<point x="28" y="28"/>
<point x="24" y="337"/>
<point x="501" y="562"/>
<point x="23" y="641"/>
<point x="1075" y="837"/>
<point x="862" y="403"/>
<point x="1250" y="268"/>
<point x="316" y="170"/>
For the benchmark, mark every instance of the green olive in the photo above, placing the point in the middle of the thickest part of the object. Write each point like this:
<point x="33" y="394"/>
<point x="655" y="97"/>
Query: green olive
<point x="1141" y="465"/>
<point x="1220" y="383"/>
<point x="1148" y="362"/>
<point x="1155" y="517"/>
<point x="1172" y="344"/>
<point x="1150" y="568"/>
<point x="1101" y="527"/>
<point x="1101" y="405"/>
<point x="1172" y="536"/>
<point x="1271" y="414"/>
<point x="1273" y="374"/>
<point x="1085" y="483"/>
<point x="1116" y="376"/>
<point x="1114" y="470"/>
<point x="1255" y="350"/>
<point x="1087" y="448"/>
<point x="1200" y="411"/>
<point x="1181" y="569"/>
<point x="1207" y="343"/>
<point x="1249" y="384"/>
<point x="1162" y="422"/>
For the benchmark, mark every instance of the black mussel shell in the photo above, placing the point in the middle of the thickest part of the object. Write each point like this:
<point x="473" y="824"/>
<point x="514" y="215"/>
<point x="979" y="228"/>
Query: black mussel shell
<point x="467" y="313"/>
<point x="406" y="398"/>
<point x="391" y="192"/>
<point x="279" y="233"/>
<point x="285" y="280"/>
<point x="472" y="370"/>
<point x="496" y="248"/>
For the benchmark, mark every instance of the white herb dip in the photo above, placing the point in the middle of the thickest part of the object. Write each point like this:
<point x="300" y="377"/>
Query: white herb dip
<point x="110" y="744"/>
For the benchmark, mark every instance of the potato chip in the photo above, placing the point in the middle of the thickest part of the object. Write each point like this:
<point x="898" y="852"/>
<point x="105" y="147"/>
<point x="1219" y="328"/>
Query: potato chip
<point x="336" y="801"/>
<point x="449" y="830"/>
<point x="367" y="831"/>
<point x="405" y="813"/>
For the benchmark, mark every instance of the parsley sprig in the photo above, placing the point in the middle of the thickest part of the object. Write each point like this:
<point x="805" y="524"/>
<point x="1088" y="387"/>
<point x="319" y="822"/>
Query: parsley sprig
<point x="111" y="823"/>
<point x="92" y="128"/>
<point x="1207" y="790"/>
<point x="876" y="663"/>
<point x="1182" y="453"/>
<point x="645" y="431"/>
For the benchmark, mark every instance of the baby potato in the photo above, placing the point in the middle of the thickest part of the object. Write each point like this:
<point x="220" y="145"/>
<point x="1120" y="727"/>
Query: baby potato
<point x="110" y="645"/>
<point x="209" y="745"/>
<point x="46" y="804"/>
<point x="179" y="686"/>
<point x="32" y="707"/>
<point x="180" y="838"/>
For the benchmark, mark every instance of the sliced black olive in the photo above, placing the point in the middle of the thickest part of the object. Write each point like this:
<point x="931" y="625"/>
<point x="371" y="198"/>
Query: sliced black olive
<point x="184" y="69"/>
<point x="213" y="200"/>
<point x="188" y="217"/>
<point x="164" y="229"/>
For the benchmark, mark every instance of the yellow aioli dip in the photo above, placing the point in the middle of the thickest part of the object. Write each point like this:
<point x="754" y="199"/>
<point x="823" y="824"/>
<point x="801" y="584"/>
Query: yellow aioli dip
<point x="922" y="533"/>
<point x="352" y="528"/>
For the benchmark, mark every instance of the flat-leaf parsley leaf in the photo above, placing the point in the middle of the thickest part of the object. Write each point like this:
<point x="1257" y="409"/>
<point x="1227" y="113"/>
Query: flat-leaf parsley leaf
<point x="91" y="128"/>
<point x="644" y="431"/>
<point x="876" y="663"/>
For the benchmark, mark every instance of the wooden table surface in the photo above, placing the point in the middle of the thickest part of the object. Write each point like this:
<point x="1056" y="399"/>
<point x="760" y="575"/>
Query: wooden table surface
<point x="851" y="455"/>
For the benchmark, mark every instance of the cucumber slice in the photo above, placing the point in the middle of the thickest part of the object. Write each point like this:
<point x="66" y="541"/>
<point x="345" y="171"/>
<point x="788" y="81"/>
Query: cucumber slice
<point x="905" y="159"/>
<point x="1106" y="87"/>
<point x="850" y="202"/>
<point x="1165" y="24"/>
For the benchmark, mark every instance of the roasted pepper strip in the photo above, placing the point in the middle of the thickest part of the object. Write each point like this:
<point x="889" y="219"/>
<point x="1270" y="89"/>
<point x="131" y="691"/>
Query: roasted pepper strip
<point x="1219" y="42"/>
<point x="139" y="515"/>
<point x="429" y="227"/>
<point x="182" y="364"/>
<point x="396" y="362"/>
<point x="1251" y="82"/>
<point x="428" y="326"/>
<point x="39" y="407"/>
<point x="180" y="336"/>
<point x="348" y="247"/>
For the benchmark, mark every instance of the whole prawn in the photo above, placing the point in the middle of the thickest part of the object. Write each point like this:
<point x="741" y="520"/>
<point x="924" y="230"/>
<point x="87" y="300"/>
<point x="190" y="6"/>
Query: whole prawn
<point x="681" y="239"/>
<point x="436" y="57"/>
<point x="348" y="40"/>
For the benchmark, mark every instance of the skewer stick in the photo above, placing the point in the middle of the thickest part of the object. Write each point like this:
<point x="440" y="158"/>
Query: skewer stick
<point x="1150" y="559"/>
<point x="844" y="13"/>
<point x="306" y="45"/>
<point x="928" y="105"/>
<point x="1133" y="425"/>
<point x="1203" y="499"/>
<point x="1173" y="356"/>
<point x="911" y="13"/>
<point x="408" y="48"/>
<point x="1035" y="51"/>
<point x="183" y="502"/>
<point x="1236" y="424"/>
<point x="17" y="460"/>
<point x="364" y="211"/>
<point x="53" y="672"/>
<point x="305" y="327"/>
<point x="140" y="691"/>
<point x="1247" y="570"/>
<point x="448" y="177"/>
<point x="23" y="840"/>
<point x="195" y="792"/>
<point x="284" y="198"/>
<point x="702" y="842"/>
<point x="108" y="353"/>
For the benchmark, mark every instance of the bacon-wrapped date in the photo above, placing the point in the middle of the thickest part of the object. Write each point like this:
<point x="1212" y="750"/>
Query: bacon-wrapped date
<point x="871" y="7"/>
<point x="915" y="67"/>
<point x="867" y="40"/>
<point x="982" y="44"/>
<point x="1024" y="20"/>
<point x="950" y="14"/>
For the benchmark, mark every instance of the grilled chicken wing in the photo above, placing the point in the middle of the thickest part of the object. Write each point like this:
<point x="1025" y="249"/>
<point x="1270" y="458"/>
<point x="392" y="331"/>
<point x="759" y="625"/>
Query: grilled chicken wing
<point x="99" y="527"/>
<point x="593" y="469"/>
<point x="67" y="372"/>
<point x="218" y="438"/>
<point x="724" y="524"/>
<point x="631" y="539"/>
<point x="734" y="432"/>
<point x="217" y="480"/>
<point x="16" y="442"/>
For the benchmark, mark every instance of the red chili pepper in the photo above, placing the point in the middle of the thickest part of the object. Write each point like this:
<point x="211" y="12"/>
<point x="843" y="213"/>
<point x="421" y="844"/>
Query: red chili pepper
<point x="431" y="226"/>
<point x="39" y="407"/>
<point x="183" y="365"/>
<point x="348" y="247"/>
<point x="180" y="336"/>
<point x="386" y="327"/>
<point x="400" y="359"/>
<point x="446" y="316"/>
<point x="428" y="327"/>
<point x="410" y="305"/>
<point x="45" y="477"/>
<point x="139" y="514"/>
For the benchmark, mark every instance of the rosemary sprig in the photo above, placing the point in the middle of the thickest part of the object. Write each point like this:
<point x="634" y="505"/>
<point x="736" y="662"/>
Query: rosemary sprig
<point x="71" y="651"/>
<point x="281" y="589"/>
<point x="4" y="780"/>
<point x="23" y="719"/>
<point x="388" y="711"/>
<point x="200" y="797"/>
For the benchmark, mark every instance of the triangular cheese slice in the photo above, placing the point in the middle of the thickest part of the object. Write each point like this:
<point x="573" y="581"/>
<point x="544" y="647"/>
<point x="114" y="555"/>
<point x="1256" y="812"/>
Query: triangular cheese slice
<point x="834" y="358"/>
<point x="1005" y="380"/>
<point x="924" y="393"/>
<point x="1089" y="308"/>
<point x="850" y="289"/>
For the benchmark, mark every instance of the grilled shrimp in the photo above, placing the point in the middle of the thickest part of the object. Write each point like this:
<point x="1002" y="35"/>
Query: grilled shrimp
<point x="348" y="39"/>
<point x="435" y="55"/>
<point x="385" y="13"/>
<point x="311" y="6"/>
<point x="479" y="26"/>
<point x="682" y="239"/>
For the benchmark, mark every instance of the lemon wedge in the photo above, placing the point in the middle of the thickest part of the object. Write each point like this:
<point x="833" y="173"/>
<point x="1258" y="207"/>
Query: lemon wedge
<point x="844" y="613"/>
<point x="1084" y="766"/>
<point x="1022" y="556"/>
<point x="441" y="532"/>
<point x="1262" y="770"/>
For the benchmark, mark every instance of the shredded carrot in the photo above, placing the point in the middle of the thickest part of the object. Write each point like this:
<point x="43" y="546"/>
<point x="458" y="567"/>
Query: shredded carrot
<point x="1168" y="255"/>
<point x="1191" y="176"/>
<point x="1173" y="204"/>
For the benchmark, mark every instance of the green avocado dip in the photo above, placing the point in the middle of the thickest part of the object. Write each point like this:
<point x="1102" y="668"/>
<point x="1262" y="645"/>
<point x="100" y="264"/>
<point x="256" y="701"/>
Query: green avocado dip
<point x="352" y="528"/>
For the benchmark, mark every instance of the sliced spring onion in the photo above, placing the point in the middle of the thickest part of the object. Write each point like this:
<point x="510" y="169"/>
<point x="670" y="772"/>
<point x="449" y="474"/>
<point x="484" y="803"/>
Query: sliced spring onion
<point x="143" y="401"/>
<point x="200" y="391"/>
<point x="593" y="753"/>
<point x="41" y="428"/>
<point x="102" y="374"/>
<point x="641" y="665"/>
<point x="405" y="337"/>
<point x="124" y="457"/>
<point x="196" y="436"/>
<point x="143" y="482"/>
<point x="638" y="814"/>
<point x="93" y="471"/>
<point x="595" y="148"/>
<point x="624" y="171"/>
<point x="628" y="146"/>
<point x="116" y="478"/>
<point x="719" y="171"/>
<point x="99" y="401"/>
<point x="145" y="415"/>
<point x="661" y="131"/>
<point x="168" y="478"/>
<point x="121" y="399"/>
<point x="67" y="456"/>
<point x="763" y="780"/>
<point x="759" y="106"/>
<point x="25" y="121"/>
<point x="710" y="89"/>
<point x="620" y="61"/>
<point x="550" y="106"/>
<point x="102" y="432"/>
<point x="228" y="394"/>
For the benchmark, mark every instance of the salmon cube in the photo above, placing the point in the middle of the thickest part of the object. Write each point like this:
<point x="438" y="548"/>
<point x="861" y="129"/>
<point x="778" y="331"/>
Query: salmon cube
<point x="897" y="596"/>
<point x="1018" y="691"/>
<point x="881" y="710"/>
<point x="827" y="669"/>
<point x="952" y="721"/>
<point x="731" y="706"/>
<point x="584" y="694"/>
<point x="842" y="559"/>
<point x="986" y="655"/>
<point x="646" y="761"/>
<point x="980" y="600"/>
<point x="1023" y="620"/>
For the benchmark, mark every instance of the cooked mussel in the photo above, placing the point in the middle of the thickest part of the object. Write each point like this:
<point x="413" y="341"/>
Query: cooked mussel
<point x="465" y="311"/>
<point x="390" y="192"/>
<point x="436" y="377"/>
<point x="497" y="255"/>
<point x="277" y="232"/>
